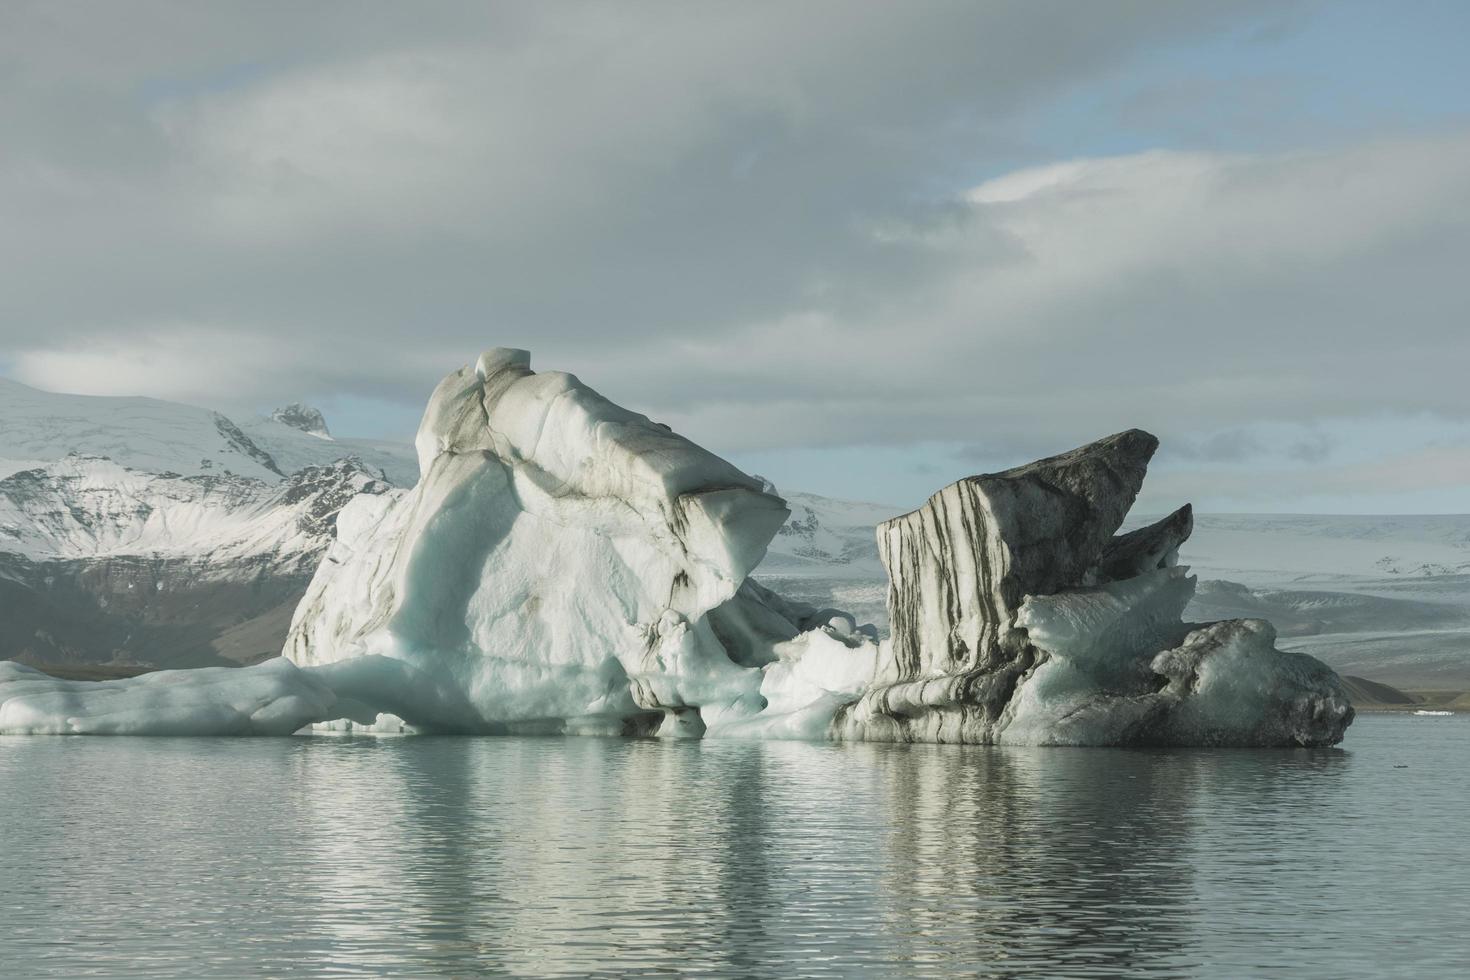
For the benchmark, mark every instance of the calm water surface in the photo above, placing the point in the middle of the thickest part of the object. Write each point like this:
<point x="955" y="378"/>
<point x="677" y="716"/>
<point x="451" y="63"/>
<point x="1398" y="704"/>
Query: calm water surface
<point x="360" y="856"/>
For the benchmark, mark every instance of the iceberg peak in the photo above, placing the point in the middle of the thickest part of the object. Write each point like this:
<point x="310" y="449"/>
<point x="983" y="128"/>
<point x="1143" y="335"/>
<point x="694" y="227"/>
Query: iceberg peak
<point x="497" y="358"/>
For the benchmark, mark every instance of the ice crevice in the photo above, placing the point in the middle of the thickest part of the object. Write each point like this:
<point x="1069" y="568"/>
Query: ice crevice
<point x="565" y="565"/>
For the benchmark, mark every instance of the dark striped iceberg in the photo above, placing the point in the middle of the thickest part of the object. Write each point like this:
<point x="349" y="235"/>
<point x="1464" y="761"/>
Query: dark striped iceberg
<point x="1019" y="616"/>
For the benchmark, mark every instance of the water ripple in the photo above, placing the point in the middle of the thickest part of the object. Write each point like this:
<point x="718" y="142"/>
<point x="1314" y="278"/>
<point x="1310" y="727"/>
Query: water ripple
<point x="387" y="857"/>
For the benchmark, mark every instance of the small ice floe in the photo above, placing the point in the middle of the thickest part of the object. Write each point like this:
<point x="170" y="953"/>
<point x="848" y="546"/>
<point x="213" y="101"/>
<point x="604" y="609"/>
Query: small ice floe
<point x="1434" y="713"/>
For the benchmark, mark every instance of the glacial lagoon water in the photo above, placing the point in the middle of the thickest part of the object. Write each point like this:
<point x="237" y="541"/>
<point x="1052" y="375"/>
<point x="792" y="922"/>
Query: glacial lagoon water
<point x="357" y="856"/>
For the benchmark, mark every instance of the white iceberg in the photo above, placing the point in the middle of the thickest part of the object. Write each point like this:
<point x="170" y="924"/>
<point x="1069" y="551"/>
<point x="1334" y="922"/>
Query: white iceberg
<point x="562" y="565"/>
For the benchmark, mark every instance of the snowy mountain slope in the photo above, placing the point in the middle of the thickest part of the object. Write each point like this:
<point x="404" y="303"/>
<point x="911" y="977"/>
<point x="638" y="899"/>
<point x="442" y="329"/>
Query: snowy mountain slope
<point x="100" y="562"/>
<point x="827" y="534"/>
<point x="306" y="418"/>
<point x="1297" y="612"/>
<point x="139" y="530"/>
<point x="37" y="427"/>
<point x="826" y="554"/>
<point x="1418" y="660"/>
<point x="294" y="448"/>
<point x="87" y="507"/>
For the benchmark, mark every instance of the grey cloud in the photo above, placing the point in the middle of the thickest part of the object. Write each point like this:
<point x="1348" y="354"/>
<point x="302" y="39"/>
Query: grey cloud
<point x="1312" y="449"/>
<point x="1231" y="446"/>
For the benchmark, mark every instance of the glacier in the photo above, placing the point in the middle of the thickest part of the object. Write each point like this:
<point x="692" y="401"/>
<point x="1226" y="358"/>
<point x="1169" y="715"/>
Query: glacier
<point x="564" y="565"/>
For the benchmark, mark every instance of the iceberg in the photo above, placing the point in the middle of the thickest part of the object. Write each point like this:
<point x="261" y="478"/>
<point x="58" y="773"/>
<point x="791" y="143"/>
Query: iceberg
<point x="1019" y="616"/>
<point x="564" y="565"/>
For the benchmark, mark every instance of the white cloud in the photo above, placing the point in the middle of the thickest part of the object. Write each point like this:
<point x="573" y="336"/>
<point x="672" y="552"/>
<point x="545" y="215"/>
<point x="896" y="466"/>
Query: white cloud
<point x="185" y="362"/>
<point x="1181" y="291"/>
<point x="209" y="365"/>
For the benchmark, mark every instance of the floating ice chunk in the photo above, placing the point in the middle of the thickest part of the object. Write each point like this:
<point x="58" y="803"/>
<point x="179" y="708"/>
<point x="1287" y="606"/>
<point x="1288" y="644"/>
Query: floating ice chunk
<point x="272" y="698"/>
<point x="814" y="675"/>
<point x="1229" y="685"/>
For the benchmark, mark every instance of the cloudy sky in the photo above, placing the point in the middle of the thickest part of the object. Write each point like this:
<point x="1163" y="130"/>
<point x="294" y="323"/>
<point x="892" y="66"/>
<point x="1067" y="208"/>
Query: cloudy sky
<point x="862" y="248"/>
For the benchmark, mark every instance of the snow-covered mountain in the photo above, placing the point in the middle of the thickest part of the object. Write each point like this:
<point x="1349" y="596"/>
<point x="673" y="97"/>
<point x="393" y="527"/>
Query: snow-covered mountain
<point x="304" y="417"/>
<point x="38" y="427"/>
<point x="1274" y="550"/>
<point x="139" y="531"/>
<point x="90" y="507"/>
<point x="826" y="554"/>
<point x="147" y="434"/>
<point x="294" y="448"/>
<point x="104" y="563"/>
